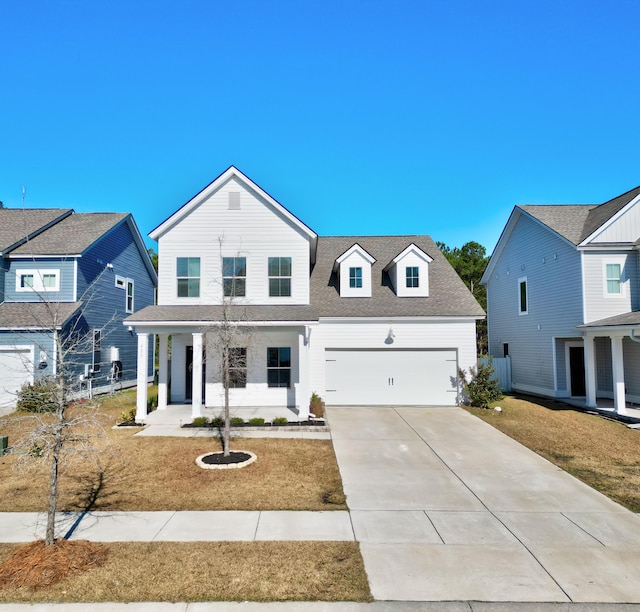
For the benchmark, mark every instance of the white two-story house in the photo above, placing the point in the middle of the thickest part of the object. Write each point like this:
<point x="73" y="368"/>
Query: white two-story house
<point x="563" y="300"/>
<point x="360" y="320"/>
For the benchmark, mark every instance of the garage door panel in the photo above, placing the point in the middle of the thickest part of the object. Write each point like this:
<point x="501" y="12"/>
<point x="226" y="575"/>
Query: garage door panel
<point x="403" y="377"/>
<point x="16" y="368"/>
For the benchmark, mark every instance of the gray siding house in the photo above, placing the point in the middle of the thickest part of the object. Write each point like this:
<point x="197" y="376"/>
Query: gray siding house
<point x="563" y="300"/>
<point x="79" y="274"/>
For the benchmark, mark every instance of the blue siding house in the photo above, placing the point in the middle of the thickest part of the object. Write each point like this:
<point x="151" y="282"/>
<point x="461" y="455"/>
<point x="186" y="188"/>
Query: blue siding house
<point x="73" y="276"/>
<point x="563" y="300"/>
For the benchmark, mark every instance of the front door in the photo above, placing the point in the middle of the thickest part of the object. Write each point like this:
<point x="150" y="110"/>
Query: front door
<point x="576" y="369"/>
<point x="188" y="394"/>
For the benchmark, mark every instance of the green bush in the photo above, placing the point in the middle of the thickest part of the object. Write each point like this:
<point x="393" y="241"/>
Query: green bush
<point x="482" y="389"/>
<point x="41" y="396"/>
<point x="217" y="421"/>
<point x="256" y="421"/>
<point x="316" y="405"/>
<point x="128" y="416"/>
<point x="280" y="421"/>
<point x="237" y="421"/>
<point x="201" y="421"/>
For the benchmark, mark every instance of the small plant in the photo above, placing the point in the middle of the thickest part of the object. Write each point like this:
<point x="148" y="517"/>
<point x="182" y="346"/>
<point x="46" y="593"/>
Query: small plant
<point x="482" y="389"/>
<point x="39" y="396"/>
<point x="256" y="421"/>
<point x="237" y="421"/>
<point x="335" y="497"/>
<point x="316" y="406"/>
<point x="217" y="421"/>
<point x="128" y="416"/>
<point x="201" y="421"/>
<point x="280" y="421"/>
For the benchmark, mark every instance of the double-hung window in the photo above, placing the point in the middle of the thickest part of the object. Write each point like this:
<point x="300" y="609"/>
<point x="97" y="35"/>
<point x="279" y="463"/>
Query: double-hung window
<point x="613" y="279"/>
<point x="523" y="297"/>
<point x="412" y="275"/>
<point x="234" y="276"/>
<point x="237" y="368"/>
<point x="279" y="276"/>
<point x="129" y="305"/>
<point x="355" y="278"/>
<point x="279" y="366"/>
<point x="188" y="275"/>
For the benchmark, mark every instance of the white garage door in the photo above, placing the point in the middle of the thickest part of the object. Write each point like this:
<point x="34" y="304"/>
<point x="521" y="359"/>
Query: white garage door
<point x="16" y="368"/>
<point x="401" y="377"/>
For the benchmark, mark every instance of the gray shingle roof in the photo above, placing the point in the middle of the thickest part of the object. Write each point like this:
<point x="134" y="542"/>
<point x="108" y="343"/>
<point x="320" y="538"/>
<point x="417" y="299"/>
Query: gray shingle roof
<point x="16" y="223"/>
<point x="628" y="318"/>
<point x="40" y="315"/>
<point x="71" y="236"/>
<point x="576" y="222"/>
<point x="448" y="295"/>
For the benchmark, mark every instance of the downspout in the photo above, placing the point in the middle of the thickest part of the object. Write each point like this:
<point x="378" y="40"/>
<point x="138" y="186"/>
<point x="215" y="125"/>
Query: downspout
<point x="633" y="336"/>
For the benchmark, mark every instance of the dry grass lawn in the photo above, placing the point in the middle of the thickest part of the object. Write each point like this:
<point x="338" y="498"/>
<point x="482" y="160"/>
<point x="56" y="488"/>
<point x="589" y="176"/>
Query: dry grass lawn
<point x="602" y="453"/>
<point x="134" y="473"/>
<point x="216" y="571"/>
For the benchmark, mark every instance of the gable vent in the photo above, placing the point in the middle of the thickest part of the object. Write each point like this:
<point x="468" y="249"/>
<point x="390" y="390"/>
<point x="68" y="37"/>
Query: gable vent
<point x="234" y="200"/>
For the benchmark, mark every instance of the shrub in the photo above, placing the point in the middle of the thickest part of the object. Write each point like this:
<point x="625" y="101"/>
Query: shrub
<point x="316" y="405"/>
<point x="482" y="389"/>
<point x="280" y="421"/>
<point x="38" y="397"/>
<point x="256" y="421"/>
<point x="217" y="421"/>
<point x="237" y="421"/>
<point x="201" y="421"/>
<point x="128" y="416"/>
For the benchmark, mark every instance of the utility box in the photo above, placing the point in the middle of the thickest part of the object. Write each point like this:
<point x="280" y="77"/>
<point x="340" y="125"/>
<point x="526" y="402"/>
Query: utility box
<point x="115" y="353"/>
<point x="4" y="444"/>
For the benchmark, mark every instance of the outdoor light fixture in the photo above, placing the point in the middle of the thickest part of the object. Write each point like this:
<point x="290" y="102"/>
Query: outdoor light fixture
<point x="130" y="330"/>
<point x="390" y="335"/>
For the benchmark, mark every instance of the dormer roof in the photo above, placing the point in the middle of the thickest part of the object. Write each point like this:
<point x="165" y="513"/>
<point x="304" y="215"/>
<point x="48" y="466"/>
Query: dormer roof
<point x="412" y="248"/>
<point x="355" y="248"/>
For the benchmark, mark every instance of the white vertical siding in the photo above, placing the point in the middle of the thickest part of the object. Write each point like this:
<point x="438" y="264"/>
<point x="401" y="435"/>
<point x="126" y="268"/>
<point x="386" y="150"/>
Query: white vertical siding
<point x="255" y="231"/>
<point x="554" y="291"/>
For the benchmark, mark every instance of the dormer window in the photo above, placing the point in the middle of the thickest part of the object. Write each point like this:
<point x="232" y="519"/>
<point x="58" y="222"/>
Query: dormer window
<point x="353" y="269"/>
<point x="409" y="272"/>
<point x="355" y="278"/>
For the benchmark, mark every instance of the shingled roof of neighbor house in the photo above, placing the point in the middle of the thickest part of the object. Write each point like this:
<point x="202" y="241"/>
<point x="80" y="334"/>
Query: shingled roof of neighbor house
<point x="36" y="315"/>
<point x="18" y="224"/>
<point x="576" y="222"/>
<point x="448" y="295"/>
<point x="71" y="236"/>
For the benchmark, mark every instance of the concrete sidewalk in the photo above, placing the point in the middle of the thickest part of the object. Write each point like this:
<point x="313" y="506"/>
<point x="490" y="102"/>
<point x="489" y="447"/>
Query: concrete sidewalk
<point x="447" y="508"/>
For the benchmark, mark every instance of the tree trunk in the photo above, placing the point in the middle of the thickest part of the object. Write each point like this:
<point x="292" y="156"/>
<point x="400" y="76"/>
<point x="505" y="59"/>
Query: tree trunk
<point x="226" y="434"/>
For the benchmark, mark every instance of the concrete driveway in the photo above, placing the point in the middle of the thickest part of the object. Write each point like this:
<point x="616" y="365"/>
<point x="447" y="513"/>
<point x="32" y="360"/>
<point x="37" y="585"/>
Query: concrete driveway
<point x="447" y="508"/>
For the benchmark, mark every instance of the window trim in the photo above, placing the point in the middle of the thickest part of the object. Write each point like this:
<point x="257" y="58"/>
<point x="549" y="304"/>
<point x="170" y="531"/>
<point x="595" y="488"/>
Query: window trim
<point x="129" y="297"/>
<point x="97" y="350"/>
<point x="234" y="279"/>
<point x="38" y="275"/>
<point x="280" y="278"/>
<point x="411" y="274"/>
<point x="619" y="261"/>
<point x="279" y="367"/>
<point x="188" y="278"/>
<point x="522" y="281"/>
<point x="120" y="282"/>
<point x="355" y="277"/>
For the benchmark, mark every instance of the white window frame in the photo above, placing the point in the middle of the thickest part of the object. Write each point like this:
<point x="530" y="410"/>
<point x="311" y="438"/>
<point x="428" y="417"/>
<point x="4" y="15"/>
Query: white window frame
<point x="523" y="280"/>
<point x="620" y="261"/>
<point x="38" y="280"/>
<point x="131" y="284"/>
<point x="121" y="282"/>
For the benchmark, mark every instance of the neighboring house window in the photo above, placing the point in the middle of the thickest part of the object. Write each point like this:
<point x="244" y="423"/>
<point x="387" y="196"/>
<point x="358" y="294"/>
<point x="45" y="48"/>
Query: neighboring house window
<point x="38" y="280"/>
<point x="279" y="367"/>
<point x="523" y="298"/>
<point x="97" y="356"/>
<point x="237" y="368"/>
<point x="613" y="279"/>
<point x="279" y="276"/>
<point x="412" y="276"/>
<point x="355" y="278"/>
<point x="234" y="276"/>
<point x="505" y="350"/>
<point x="120" y="281"/>
<point x="129" y="295"/>
<point x="188" y="275"/>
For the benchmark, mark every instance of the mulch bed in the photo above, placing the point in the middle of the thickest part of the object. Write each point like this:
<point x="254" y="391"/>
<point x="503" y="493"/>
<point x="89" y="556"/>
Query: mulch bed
<point x="37" y="566"/>
<point x="220" y="459"/>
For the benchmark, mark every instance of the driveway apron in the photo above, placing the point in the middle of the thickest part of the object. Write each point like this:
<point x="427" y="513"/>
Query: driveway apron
<point x="447" y="508"/>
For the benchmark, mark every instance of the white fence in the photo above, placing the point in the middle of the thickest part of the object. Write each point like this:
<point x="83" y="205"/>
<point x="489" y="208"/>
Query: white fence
<point x="502" y="370"/>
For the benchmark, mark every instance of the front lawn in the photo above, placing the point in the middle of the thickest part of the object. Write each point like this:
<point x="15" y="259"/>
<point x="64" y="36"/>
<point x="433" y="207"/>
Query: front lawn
<point x="602" y="453"/>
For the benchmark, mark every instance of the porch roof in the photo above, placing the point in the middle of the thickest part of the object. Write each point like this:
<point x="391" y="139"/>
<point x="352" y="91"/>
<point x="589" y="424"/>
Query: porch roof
<point x="36" y="315"/>
<point x="626" y="320"/>
<point x="203" y="314"/>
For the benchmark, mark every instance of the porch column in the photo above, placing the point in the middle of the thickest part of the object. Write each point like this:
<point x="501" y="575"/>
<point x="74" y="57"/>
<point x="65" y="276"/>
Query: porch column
<point x="163" y="371"/>
<point x="590" y="370"/>
<point x="143" y="377"/>
<point x="303" y="394"/>
<point x="617" y="361"/>
<point x="196" y="386"/>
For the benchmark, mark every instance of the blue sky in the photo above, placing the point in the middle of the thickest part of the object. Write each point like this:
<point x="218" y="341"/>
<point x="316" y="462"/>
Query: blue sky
<point x="360" y="117"/>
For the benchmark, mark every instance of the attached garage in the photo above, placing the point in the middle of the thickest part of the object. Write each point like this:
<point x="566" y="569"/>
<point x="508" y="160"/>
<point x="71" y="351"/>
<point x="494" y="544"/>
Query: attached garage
<point x="410" y="377"/>
<point x="16" y="368"/>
